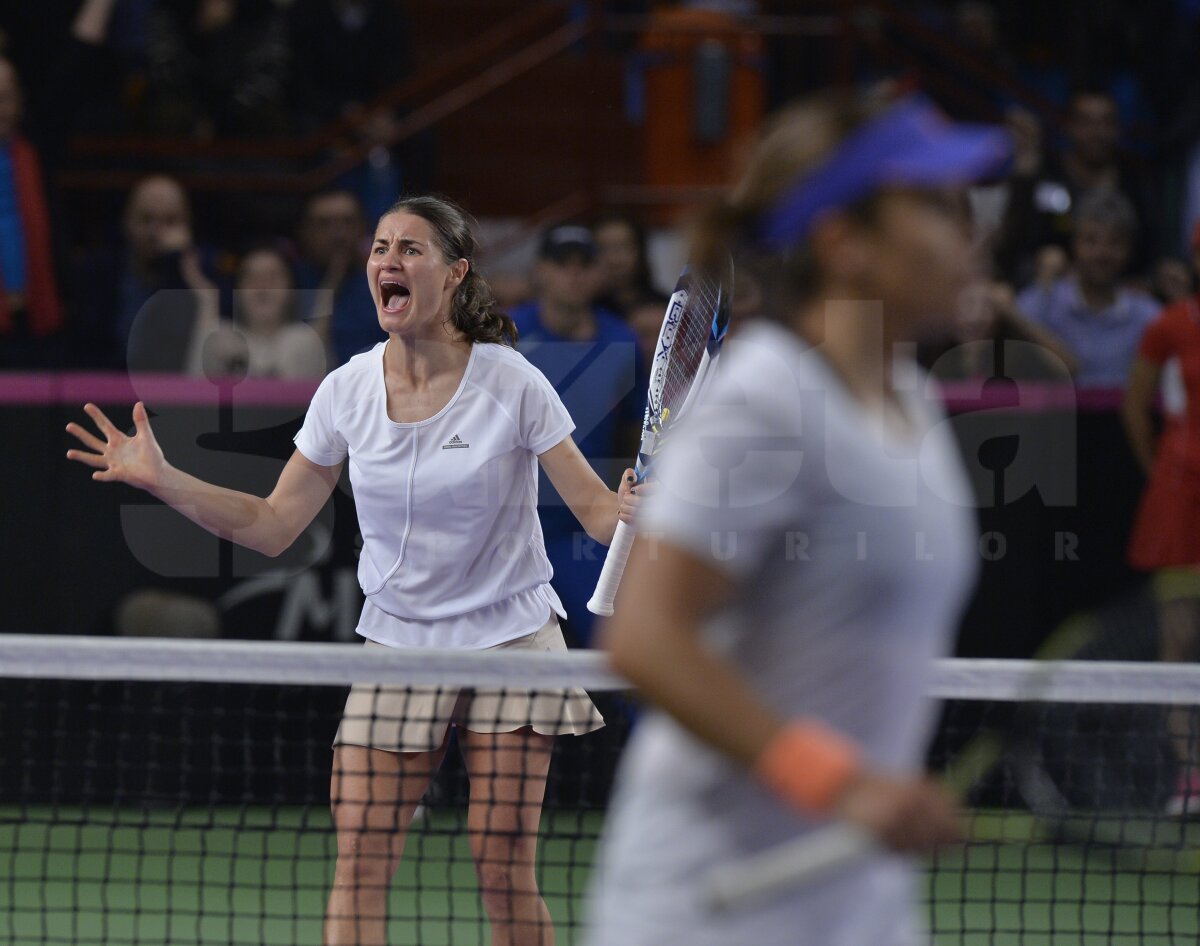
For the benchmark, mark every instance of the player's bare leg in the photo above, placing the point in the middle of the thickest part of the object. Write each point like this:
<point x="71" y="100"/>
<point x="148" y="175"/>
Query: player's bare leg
<point x="373" y="796"/>
<point x="508" y="782"/>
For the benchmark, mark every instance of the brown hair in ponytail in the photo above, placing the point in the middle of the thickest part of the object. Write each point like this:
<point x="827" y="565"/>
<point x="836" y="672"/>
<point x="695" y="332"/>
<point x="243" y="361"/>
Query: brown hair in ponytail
<point x="474" y="311"/>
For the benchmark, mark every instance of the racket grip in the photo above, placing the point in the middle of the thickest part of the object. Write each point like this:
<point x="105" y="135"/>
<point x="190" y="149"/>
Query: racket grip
<point x="771" y="872"/>
<point x="614" y="567"/>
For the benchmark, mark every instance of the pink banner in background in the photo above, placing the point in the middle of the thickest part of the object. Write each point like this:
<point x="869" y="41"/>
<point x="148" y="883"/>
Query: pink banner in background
<point x="160" y="389"/>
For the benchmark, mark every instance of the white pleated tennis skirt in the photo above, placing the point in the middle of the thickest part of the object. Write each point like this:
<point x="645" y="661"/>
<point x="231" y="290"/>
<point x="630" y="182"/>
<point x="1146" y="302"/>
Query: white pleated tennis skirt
<point x="418" y="718"/>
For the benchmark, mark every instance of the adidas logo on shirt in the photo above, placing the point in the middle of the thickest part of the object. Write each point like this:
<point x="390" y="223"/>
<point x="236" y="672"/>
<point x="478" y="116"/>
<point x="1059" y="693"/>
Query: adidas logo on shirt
<point x="455" y="443"/>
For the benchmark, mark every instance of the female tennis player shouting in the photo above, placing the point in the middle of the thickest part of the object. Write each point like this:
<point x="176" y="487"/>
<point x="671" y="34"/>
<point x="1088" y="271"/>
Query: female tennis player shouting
<point x="808" y="550"/>
<point x="443" y="425"/>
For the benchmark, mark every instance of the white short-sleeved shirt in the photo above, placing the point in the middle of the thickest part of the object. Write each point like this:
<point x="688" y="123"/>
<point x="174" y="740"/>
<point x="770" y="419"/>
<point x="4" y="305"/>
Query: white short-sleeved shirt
<point x="853" y="551"/>
<point x="452" y="550"/>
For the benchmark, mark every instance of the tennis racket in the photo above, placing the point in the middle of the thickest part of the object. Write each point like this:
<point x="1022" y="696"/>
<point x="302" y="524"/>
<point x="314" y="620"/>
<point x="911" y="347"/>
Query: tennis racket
<point x="689" y="341"/>
<point x="747" y="882"/>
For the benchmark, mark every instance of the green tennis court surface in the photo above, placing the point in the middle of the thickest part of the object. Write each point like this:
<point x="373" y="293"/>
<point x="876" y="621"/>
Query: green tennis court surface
<point x="1015" y="887"/>
<point x="242" y="876"/>
<point x="261" y="876"/>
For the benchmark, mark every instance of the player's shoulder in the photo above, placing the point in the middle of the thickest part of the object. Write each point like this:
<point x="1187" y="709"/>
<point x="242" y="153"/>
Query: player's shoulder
<point x="361" y="365"/>
<point x="508" y="378"/>
<point x="500" y="364"/>
<point x="359" y="371"/>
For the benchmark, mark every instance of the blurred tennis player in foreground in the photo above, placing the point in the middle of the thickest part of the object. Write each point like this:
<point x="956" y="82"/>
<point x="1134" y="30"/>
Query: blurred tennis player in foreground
<point x="442" y="426"/>
<point x="808" y="550"/>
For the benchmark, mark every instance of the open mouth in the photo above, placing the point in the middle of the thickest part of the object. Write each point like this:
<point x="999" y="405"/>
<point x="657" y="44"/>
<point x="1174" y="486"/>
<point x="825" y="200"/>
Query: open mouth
<point x="394" y="295"/>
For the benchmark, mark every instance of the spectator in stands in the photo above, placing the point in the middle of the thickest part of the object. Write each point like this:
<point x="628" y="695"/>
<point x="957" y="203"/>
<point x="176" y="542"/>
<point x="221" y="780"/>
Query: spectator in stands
<point x="217" y="67"/>
<point x="333" y="243"/>
<point x="264" y="339"/>
<point x="1096" y="318"/>
<point x="148" y="304"/>
<point x="591" y="357"/>
<point x="30" y="308"/>
<point x="621" y="255"/>
<point x="1050" y="264"/>
<point x="1166" y="533"/>
<point x="1094" y="129"/>
<point x="1046" y="189"/>
<point x="1172" y="280"/>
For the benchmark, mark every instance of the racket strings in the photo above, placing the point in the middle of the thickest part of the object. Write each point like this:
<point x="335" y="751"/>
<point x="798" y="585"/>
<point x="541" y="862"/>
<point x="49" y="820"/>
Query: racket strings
<point x="691" y="340"/>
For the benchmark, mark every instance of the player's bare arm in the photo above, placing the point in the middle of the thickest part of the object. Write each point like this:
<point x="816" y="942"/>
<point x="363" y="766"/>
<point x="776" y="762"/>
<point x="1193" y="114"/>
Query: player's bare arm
<point x="266" y="524"/>
<point x="597" y="507"/>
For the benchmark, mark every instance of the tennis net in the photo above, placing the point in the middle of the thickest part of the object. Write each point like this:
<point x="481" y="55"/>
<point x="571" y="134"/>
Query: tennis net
<point x="179" y="792"/>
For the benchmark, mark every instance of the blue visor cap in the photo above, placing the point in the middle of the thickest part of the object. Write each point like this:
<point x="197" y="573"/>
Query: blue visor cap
<point x="912" y="144"/>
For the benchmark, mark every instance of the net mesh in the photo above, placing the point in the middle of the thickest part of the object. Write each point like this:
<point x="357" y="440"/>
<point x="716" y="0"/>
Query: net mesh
<point x="168" y="792"/>
<point x="1069" y="772"/>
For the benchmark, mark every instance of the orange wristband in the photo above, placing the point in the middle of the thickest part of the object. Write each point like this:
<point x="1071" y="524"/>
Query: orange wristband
<point x="808" y="764"/>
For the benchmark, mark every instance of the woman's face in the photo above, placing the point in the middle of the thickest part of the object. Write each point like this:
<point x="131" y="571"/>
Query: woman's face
<point x="264" y="290"/>
<point x="617" y="253"/>
<point x="923" y="258"/>
<point x="412" y="284"/>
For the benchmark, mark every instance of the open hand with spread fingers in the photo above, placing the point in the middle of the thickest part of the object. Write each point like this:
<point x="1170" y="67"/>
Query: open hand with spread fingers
<point x="119" y="458"/>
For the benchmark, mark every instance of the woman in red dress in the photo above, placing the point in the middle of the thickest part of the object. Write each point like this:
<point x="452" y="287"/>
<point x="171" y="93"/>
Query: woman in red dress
<point x="1166" y="533"/>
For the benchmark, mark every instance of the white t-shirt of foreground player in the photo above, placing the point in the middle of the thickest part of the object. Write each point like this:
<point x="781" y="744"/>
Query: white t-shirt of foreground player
<point x="852" y="546"/>
<point x="452" y="551"/>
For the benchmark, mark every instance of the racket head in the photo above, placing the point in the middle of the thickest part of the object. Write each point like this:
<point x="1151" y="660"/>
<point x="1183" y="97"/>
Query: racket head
<point x="693" y="329"/>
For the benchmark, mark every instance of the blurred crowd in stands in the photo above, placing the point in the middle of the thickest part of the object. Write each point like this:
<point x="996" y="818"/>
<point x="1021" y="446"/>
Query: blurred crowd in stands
<point x="1088" y="237"/>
